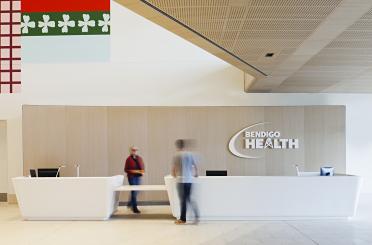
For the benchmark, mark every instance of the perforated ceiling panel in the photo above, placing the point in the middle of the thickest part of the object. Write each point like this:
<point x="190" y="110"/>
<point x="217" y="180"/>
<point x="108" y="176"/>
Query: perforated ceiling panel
<point x="252" y="28"/>
<point x="345" y="65"/>
<point x="287" y="45"/>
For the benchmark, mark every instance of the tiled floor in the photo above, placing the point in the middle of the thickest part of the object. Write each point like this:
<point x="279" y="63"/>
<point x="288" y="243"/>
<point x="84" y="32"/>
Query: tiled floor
<point x="155" y="226"/>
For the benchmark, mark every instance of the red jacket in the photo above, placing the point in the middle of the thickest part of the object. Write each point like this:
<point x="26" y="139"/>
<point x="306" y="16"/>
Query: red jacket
<point x="131" y="164"/>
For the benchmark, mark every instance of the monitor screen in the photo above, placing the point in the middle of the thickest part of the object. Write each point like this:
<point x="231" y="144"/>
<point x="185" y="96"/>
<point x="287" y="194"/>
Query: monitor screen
<point x="216" y="173"/>
<point x="47" y="172"/>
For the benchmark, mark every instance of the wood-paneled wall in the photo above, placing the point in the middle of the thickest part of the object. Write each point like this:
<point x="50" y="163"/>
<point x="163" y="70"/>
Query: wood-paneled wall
<point x="98" y="138"/>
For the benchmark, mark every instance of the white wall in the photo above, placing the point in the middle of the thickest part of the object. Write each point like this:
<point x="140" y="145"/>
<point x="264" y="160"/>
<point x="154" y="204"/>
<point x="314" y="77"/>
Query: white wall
<point x="15" y="163"/>
<point x="359" y="139"/>
<point x="3" y="158"/>
<point x="151" y="66"/>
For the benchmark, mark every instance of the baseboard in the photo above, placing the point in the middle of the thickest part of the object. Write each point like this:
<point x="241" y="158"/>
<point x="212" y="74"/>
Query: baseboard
<point x="147" y="203"/>
<point x="3" y="197"/>
<point x="66" y="218"/>
<point x="12" y="199"/>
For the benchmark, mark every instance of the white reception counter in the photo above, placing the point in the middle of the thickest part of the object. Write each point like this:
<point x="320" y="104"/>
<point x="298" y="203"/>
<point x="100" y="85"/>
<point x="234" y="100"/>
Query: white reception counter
<point x="218" y="198"/>
<point x="271" y="197"/>
<point x="67" y="198"/>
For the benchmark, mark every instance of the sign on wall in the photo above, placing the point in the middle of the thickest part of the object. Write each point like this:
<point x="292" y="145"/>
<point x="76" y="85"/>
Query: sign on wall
<point x="249" y="138"/>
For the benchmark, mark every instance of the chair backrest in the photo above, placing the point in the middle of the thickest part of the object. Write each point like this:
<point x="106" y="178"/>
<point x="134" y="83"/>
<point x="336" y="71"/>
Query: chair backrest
<point x="33" y="173"/>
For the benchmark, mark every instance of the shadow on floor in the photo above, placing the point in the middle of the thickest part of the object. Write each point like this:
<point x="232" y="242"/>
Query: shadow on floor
<point x="142" y="216"/>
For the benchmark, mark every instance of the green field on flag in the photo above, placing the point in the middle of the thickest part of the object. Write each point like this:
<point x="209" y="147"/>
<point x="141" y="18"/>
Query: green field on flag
<point x="65" y="23"/>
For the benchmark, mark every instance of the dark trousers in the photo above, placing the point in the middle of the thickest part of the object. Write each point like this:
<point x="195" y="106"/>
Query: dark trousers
<point x="133" y="180"/>
<point x="184" y="193"/>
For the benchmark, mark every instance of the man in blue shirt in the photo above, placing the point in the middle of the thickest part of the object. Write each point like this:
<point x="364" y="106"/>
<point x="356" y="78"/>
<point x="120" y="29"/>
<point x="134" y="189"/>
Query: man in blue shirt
<point x="185" y="170"/>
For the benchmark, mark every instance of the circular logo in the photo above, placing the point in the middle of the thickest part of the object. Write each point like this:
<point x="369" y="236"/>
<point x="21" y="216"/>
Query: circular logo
<point x="232" y="143"/>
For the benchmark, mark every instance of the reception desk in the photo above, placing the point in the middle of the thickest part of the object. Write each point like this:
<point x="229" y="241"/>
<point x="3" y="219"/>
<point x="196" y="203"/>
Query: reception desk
<point x="67" y="198"/>
<point x="271" y="197"/>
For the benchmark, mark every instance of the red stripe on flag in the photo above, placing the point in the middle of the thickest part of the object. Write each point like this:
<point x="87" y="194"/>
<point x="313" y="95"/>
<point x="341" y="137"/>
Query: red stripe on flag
<point x="64" y="5"/>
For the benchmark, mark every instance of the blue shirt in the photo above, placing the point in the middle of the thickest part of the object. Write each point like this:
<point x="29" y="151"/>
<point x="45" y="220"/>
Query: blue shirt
<point x="184" y="164"/>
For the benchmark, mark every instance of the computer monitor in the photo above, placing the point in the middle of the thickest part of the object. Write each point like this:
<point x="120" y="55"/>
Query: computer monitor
<point x="33" y="173"/>
<point x="216" y="173"/>
<point x="47" y="172"/>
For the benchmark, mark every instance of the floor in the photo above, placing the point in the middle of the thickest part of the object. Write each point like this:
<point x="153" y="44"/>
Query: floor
<point x="155" y="226"/>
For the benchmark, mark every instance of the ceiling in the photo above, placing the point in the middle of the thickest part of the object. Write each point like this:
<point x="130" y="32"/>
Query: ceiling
<point x="281" y="45"/>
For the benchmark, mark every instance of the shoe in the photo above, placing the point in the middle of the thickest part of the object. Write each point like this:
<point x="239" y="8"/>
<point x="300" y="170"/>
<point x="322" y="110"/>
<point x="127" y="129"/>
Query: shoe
<point x="196" y="221"/>
<point x="136" y="211"/>
<point x="179" y="222"/>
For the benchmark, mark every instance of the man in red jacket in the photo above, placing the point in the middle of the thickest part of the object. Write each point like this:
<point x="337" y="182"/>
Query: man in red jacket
<point x="134" y="168"/>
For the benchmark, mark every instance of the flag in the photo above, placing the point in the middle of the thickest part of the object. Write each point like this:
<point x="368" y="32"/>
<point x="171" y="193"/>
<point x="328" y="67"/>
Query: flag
<point x="65" y="17"/>
<point x="65" y="31"/>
